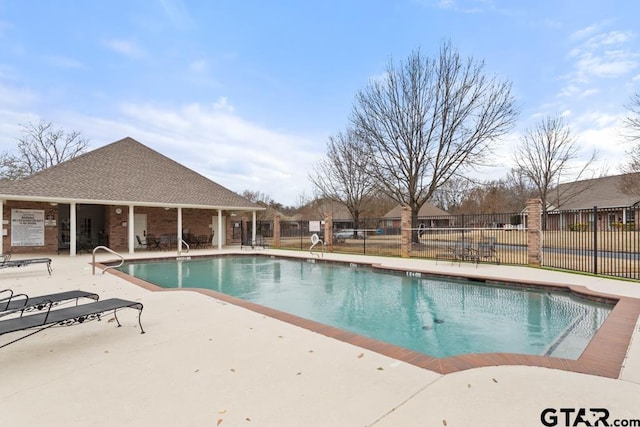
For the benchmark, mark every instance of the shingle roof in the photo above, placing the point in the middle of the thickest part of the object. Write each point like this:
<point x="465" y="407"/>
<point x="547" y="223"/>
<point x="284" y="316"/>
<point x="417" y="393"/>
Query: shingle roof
<point x="601" y="192"/>
<point x="426" y="210"/>
<point x="124" y="172"/>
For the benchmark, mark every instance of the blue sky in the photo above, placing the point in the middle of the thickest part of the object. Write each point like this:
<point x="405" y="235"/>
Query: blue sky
<point x="247" y="92"/>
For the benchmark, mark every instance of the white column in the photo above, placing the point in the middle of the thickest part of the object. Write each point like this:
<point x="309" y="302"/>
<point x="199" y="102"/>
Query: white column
<point x="179" y="233"/>
<point x="219" y="228"/>
<point x="131" y="242"/>
<point x="2" y="228"/>
<point x="253" y="229"/>
<point x="72" y="229"/>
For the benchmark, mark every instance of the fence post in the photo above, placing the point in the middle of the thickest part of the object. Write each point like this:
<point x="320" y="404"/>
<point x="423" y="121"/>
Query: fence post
<point x="534" y="232"/>
<point x="405" y="232"/>
<point x="595" y="240"/>
<point x="328" y="232"/>
<point x="276" y="231"/>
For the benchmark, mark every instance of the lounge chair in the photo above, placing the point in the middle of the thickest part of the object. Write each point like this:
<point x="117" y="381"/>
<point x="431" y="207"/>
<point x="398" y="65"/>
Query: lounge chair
<point x="260" y="241"/>
<point x="13" y="303"/>
<point x="486" y="250"/>
<point x="140" y="243"/>
<point x="7" y="262"/>
<point x="462" y="250"/>
<point x="77" y="314"/>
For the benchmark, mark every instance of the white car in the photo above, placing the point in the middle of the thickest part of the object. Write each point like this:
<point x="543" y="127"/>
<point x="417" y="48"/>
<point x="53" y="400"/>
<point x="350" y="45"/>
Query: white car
<point x="347" y="233"/>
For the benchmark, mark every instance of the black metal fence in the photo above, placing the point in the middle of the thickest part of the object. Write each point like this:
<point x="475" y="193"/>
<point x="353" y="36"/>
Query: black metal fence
<point x="598" y="241"/>
<point x="463" y="236"/>
<point x="295" y="234"/>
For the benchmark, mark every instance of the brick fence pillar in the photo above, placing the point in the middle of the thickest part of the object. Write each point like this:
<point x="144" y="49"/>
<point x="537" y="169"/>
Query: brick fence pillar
<point x="328" y="232"/>
<point x="276" y="231"/>
<point x="534" y="232"/>
<point x="405" y="232"/>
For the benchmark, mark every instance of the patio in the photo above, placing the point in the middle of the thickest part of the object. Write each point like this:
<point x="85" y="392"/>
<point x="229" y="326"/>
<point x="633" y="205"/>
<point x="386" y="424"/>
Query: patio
<point x="207" y="362"/>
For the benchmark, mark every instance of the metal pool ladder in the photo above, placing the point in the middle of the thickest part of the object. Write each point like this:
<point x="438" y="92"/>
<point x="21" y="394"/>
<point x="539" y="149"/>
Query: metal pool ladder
<point x="93" y="260"/>
<point x="315" y="239"/>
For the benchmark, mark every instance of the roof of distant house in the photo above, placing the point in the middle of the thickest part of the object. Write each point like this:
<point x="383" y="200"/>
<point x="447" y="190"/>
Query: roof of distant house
<point x="602" y="192"/>
<point x="426" y="210"/>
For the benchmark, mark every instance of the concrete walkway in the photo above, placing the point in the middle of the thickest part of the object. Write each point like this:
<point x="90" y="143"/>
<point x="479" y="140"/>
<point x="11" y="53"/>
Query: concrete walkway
<point x="207" y="363"/>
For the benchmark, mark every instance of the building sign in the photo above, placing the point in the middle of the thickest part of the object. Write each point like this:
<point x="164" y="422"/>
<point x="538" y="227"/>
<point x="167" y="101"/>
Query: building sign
<point x="27" y="227"/>
<point x="314" y="226"/>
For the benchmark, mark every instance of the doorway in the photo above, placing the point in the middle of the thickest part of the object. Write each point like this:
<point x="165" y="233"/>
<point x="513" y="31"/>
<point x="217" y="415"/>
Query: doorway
<point x="140" y="228"/>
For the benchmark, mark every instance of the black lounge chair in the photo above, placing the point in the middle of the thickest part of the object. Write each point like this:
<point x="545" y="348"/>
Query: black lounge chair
<point x="7" y="262"/>
<point x="77" y="314"/>
<point x="22" y="303"/>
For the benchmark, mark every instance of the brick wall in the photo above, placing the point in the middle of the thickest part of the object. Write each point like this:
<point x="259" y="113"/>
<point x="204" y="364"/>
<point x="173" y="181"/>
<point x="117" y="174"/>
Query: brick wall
<point x="50" y="231"/>
<point x="159" y="221"/>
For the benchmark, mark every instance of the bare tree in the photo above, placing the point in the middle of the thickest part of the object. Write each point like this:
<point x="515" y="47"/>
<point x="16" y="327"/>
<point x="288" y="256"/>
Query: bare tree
<point x="505" y="195"/>
<point x="520" y="189"/>
<point x="40" y="147"/>
<point x="632" y="121"/>
<point x="341" y="176"/>
<point x="450" y="195"/>
<point x="257" y="197"/>
<point x="630" y="182"/>
<point x="428" y="120"/>
<point x="546" y="156"/>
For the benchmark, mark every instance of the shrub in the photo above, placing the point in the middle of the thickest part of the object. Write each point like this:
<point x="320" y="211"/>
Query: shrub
<point x="579" y="226"/>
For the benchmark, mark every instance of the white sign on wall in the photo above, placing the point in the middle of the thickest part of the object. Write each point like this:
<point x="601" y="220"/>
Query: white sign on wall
<point x="27" y="227"/>
<point x="314" y="226"/>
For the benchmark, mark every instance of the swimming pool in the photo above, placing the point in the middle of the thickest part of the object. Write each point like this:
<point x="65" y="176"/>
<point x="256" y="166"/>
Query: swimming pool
<point x="434" y="316"/>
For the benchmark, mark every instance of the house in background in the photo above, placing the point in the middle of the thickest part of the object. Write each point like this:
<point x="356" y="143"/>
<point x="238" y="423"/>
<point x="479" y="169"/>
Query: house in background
<point x="429" y="216"/>
<point x="571" y="205"/>
<point x="116" y="196"/>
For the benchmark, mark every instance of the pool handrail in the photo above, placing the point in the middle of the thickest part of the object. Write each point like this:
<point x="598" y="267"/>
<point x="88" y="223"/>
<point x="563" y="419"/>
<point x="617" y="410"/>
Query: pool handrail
<point x="315" y="239"/>
<point x="93" y="261"/>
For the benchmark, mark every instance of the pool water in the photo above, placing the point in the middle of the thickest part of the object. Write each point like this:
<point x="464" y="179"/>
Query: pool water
<point x="436" y="316"/>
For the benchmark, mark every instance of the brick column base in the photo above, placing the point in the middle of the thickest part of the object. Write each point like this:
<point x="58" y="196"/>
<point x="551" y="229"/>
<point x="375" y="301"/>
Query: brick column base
<point x="405" y="232"/>
<point x="534" y="232"/>
<point x="276" y="231"/>
<point x="328" y="233"/>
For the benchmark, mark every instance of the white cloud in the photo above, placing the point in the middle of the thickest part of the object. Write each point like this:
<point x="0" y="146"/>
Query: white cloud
<point x="125" y="47"/>
<point x="65" y="62"/>
<point x="178" y="14"/>
<point x="462" y="6"/>
<point x="14" y="107"/>
<point x="610" y="38"/>
<point x="218" y="144"/>
<point x="15" y="98"/>
<point x="598" y="55"/>
<point x="583" y="32"/>
<point x="210" y="139"/>
<point x="199" y="66"/>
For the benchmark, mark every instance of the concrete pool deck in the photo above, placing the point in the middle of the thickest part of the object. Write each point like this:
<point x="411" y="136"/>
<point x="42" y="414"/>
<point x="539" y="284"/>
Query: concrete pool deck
<point x="205" y="362"/>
